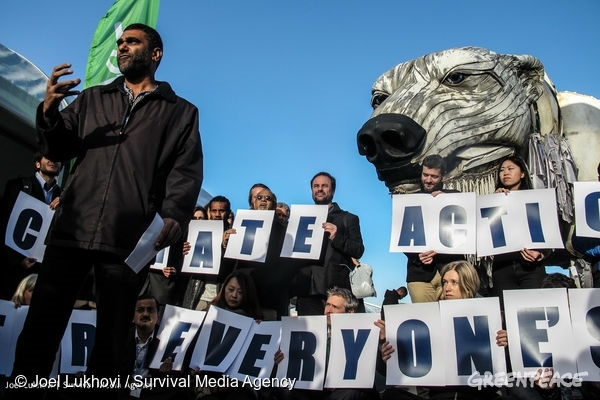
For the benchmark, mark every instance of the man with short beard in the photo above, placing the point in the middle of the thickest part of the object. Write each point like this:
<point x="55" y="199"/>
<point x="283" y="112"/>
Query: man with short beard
<point x="138" y="154"/>
<point x="43" y="186"/>
<point x="342" y="241"/>
<point x="422" y="269"/>
<point x="203" y="288"/>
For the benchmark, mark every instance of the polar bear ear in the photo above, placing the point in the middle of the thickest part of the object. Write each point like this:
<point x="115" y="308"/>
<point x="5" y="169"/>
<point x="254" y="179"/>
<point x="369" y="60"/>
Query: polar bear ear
<point x="548" y="110"/>
<point x="543" y="92"/>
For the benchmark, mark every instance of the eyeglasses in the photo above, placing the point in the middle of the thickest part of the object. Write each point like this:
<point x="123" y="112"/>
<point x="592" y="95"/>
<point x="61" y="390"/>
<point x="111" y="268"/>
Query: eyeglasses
<point x="267" y="198"/>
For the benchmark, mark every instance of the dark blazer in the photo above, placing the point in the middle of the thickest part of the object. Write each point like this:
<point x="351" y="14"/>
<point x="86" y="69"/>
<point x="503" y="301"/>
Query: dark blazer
<point x="29" y="185"/>
<point x="13" y="272"/>
<point x="334" y="263"/>
<point x="157" y="393"/>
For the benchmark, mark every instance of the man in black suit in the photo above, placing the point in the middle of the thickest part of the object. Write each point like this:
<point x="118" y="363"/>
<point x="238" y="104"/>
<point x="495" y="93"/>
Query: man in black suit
<point x="43" y="186"/>
<point x="341" y="242"/>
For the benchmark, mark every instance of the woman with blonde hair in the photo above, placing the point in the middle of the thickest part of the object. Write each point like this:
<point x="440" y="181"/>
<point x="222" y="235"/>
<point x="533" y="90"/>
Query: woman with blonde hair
<point x="459" y="281"/>
<point x="22" y="296"/>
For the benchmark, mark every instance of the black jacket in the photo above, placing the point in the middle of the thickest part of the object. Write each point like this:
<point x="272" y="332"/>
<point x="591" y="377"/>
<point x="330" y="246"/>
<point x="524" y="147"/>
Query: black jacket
<point x="13" y="270"/>
<point x="156" y="392"/>
<point x="129" y="165"/>
<point x="336" y="253"/>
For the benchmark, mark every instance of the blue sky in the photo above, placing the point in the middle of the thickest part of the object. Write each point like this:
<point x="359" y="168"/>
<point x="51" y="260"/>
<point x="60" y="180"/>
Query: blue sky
<point x="284" y="86"/>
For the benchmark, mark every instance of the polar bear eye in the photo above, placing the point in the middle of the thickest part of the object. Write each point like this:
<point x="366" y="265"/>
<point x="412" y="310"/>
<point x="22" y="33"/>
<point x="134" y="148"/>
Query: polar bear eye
<point x="378" y="98"/>
<point x="455" y="78"/>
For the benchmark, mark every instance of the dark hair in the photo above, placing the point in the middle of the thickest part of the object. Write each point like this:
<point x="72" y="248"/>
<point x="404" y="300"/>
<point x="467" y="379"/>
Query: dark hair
<point x="249" y="304"/>
<point x="525" y="181"/>
<point x="558" y="280"/>
<point x="273" y="198"/>
<point x="154" y="39"/>
<point x="326" y="174"/>
<point x="435" y="161"/>
<point x="201" y="209"/>
<point x="260" y="185"/>
<point x="147" y="296"/>
<point x="37" y="156"/>
<point x="152" y="35"/>
<point x="219" y="199"/>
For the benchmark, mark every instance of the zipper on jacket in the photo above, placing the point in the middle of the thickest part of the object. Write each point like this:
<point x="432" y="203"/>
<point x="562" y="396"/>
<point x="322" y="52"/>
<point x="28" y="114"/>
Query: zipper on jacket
<point x="125" y="119"/>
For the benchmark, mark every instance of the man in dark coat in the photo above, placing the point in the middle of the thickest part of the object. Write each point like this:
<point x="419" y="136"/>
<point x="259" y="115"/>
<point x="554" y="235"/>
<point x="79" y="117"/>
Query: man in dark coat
<point x="138" y="153"/>
<point x="342" y="241"/>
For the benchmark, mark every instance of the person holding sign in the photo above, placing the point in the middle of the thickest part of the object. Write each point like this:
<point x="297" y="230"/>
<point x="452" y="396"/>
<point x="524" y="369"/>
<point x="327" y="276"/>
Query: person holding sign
<point x="543" y="387"/>
<point x="273" y="275"/>
<point x="238" y="295"/>
<point x="138" y="154"/>
<point x="342" y="241"/>
<point x="460" y="280"/>
<point x="522" y="270"/>
<point x="422" y="269"/>
<point x="202" y="288"/>
<point x="43" y="186"/>
<point x="143" y="344"/>
<point x="339" y="301"/>
<point x="588" y="248"/>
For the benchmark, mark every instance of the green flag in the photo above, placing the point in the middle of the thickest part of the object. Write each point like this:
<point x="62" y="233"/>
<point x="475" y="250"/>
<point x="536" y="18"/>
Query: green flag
<point x="102" y="64"/>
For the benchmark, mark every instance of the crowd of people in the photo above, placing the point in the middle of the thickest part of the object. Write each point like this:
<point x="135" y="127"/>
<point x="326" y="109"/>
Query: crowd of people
<point x="150" y="139"/>
<point x="432" y="277"/>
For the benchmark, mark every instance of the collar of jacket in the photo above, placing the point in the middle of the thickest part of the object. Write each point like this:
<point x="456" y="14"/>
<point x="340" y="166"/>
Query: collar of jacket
<point x="163" y="89"/>
<point x="335" y="208"/>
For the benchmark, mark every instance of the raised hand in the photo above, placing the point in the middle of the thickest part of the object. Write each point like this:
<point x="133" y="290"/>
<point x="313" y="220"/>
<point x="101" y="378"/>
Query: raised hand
<point x="56" y="91"/>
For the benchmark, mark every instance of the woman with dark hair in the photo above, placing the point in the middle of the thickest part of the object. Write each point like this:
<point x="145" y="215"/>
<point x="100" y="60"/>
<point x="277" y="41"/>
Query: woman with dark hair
<point x="199" y="213"/>
<point x="523" y="269"/>
<point x="238" y="295"/>
<point x="513" y="175"/>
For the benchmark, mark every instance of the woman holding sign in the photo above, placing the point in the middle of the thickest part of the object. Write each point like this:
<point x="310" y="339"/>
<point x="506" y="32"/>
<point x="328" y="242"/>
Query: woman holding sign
<point x="523" y="269"/>
<point x="460" y="280"/>
<point x="238" y="295"/>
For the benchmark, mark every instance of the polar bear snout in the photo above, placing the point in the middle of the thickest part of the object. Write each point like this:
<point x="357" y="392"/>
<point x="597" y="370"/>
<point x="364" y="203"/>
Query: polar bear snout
<point x="390" y="141"/>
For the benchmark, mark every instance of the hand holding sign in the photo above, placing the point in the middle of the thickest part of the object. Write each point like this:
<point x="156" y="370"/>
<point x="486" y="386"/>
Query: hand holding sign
<point x="28" y="225"/>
